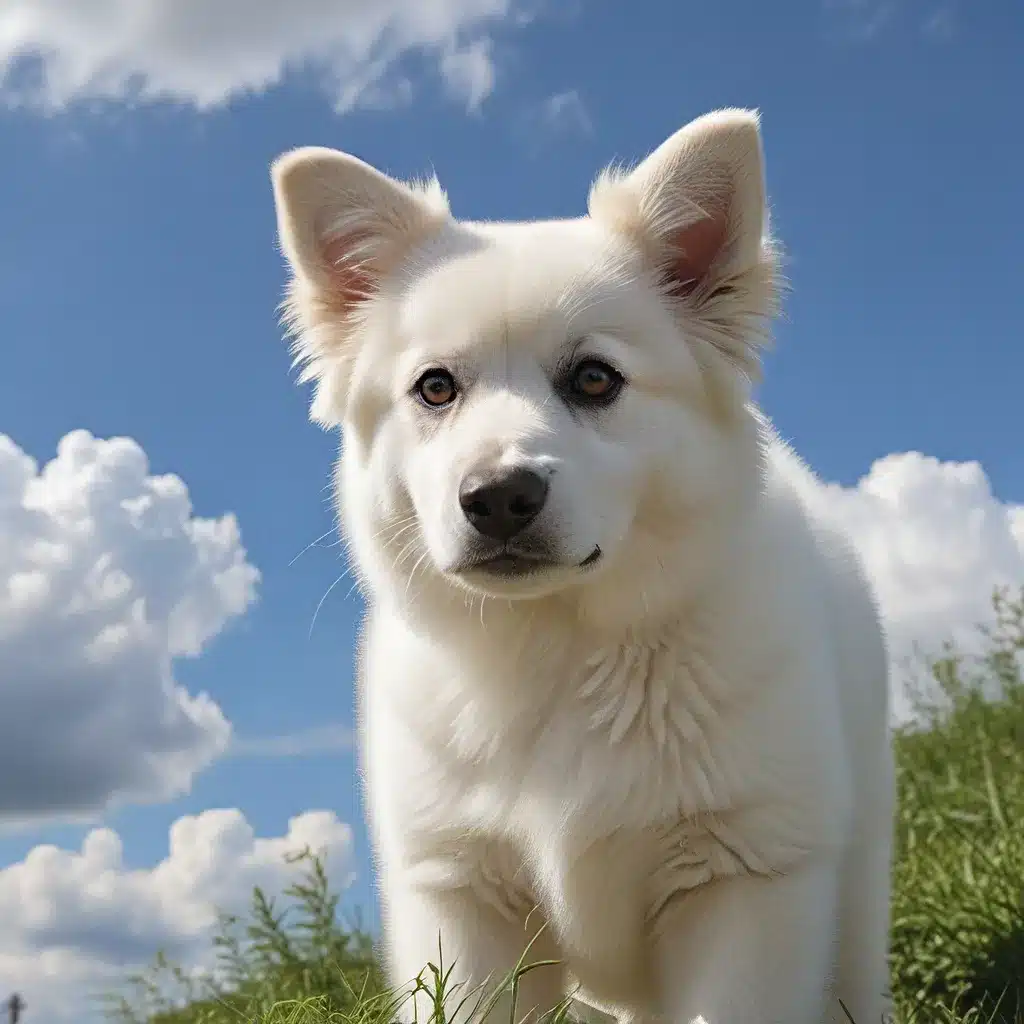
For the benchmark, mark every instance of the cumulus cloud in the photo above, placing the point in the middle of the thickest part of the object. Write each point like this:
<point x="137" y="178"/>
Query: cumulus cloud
<point x="106" y="577"/>
<point x="190" y="51"/>
<point x="76" y="921"/>
<point x="935" y="540"/>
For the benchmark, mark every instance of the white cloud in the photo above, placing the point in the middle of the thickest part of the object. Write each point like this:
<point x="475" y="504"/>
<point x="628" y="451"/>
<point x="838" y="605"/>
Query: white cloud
<point x="76" y="922"/>
<point x="864" y="20"/>
<point x="469" y="72"/>
<point x="941" y="23"/>
<point x="860" y="19"/>
<point x="53" y="52"/>
<point x="332" y="738"/>
<point x="106" y="577"/>
<point x="565" y="112"/>
<point x="935" y="541"/>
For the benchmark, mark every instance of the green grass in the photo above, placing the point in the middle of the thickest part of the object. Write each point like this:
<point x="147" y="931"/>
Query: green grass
<point x="958" y="908"/>
<point x="958" y="904"/>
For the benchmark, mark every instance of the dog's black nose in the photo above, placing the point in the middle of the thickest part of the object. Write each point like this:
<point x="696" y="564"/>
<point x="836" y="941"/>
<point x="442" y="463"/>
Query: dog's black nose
<point x="500" y="503"/>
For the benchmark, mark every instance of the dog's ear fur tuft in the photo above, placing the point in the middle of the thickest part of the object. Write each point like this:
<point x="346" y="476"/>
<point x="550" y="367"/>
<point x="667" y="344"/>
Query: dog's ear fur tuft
<point x="343" y="227"/>
<point x="696" y="207"/>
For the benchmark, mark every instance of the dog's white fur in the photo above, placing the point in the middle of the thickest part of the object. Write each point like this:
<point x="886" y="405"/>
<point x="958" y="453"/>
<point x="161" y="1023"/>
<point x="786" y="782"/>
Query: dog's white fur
<point x="676" y="759"/>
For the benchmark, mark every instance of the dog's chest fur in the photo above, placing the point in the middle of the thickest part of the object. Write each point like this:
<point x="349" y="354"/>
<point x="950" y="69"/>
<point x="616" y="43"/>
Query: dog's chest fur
<point x="663" y="784"/>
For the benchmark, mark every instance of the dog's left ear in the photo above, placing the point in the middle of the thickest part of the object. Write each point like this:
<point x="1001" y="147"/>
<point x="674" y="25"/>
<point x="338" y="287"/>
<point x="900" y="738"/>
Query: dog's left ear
<point x="696" y="207"/>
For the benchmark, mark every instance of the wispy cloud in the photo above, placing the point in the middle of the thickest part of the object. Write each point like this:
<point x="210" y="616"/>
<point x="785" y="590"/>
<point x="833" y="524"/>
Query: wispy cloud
<point x="566" y="113"/>
<point x="940" y="24"/>
<point x="68" y="51"/>
<point x="862" y="20"/>
<point x="469" y="72"/>
<point x="333" y="738"/>
<point x="859" y="19"/>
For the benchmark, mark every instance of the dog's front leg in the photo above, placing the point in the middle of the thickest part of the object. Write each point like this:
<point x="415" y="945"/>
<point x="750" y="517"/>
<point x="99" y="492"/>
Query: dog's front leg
<point x="750" y="950"/>
<point x="459" y="930"/>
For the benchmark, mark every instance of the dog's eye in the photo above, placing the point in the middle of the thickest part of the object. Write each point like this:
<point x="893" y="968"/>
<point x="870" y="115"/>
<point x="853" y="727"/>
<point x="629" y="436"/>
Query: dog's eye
<point x="595" y="381"/>
<point x="436" y="388"/>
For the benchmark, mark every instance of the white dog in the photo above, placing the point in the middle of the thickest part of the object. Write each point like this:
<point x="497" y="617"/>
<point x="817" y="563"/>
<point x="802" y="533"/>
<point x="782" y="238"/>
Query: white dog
<point x="616" y="675"/>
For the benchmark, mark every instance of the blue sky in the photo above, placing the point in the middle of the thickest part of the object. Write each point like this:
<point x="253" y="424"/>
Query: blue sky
<point x="140" y="281"/>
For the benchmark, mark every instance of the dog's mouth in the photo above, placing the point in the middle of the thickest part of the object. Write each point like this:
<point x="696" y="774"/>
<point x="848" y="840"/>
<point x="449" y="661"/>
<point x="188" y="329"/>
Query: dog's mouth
<point x="519" y="564"/>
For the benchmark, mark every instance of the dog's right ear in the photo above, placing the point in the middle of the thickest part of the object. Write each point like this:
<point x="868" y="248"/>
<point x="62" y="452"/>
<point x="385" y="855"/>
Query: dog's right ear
<point x="343" y="227"/>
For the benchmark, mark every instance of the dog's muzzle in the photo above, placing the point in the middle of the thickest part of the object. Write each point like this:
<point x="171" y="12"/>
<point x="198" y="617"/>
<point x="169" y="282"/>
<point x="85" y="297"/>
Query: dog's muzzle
<point x="501" y="503"/>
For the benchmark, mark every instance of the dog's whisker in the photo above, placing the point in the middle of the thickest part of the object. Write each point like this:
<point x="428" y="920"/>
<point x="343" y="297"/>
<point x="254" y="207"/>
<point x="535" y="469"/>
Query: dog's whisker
<point x="311" y="544"/>
<point x="406" y="551"/>
<point x="412" y="574"/>
<point x="398" y="525"/>
<point x="405" y="529"/>
<point x="320" y="604"/>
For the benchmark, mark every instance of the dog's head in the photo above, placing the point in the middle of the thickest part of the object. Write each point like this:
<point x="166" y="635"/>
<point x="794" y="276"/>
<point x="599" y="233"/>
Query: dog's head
<point x="531" y="408"/>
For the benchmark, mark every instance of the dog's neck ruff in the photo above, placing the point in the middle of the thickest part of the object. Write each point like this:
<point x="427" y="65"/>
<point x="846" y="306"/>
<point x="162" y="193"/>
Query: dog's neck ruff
<point x="660" y="686"/>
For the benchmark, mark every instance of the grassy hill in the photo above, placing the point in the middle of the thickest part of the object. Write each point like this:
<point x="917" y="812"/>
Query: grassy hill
<point x="958" y="908"/>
